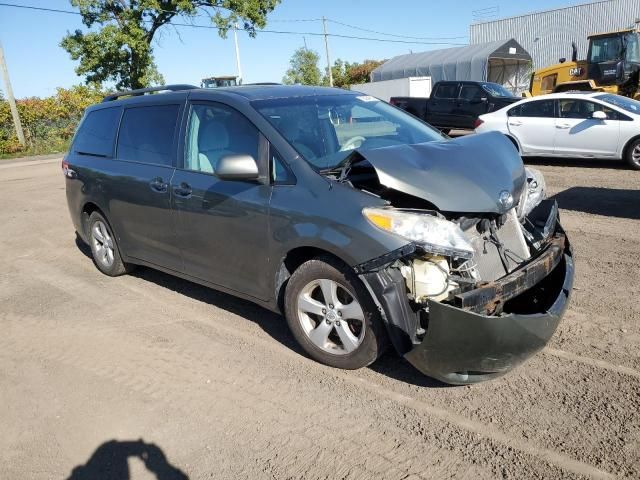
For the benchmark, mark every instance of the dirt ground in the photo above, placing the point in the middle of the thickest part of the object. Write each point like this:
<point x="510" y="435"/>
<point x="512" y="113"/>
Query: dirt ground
<point x="149" y="376"/>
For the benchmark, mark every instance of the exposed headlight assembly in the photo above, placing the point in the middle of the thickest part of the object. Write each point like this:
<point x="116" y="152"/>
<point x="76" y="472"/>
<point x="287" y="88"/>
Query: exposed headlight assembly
<point x="436" y="235"/>
<point x="533" y="192"/>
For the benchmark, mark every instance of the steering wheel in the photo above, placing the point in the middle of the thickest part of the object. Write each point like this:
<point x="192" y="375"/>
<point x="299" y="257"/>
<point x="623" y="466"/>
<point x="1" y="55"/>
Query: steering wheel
<point x="352" y="143"/>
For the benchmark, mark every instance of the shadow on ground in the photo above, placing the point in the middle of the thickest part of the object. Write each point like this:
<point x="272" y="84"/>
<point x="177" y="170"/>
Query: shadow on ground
<point x="609" y="202"/>
<point x="110" y="461"/>
<point x="273" y="324"/>
<point x="577" y="162"/>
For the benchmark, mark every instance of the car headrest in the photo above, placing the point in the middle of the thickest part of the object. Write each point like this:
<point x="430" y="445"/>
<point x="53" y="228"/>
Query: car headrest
<point x="213" y="136"/>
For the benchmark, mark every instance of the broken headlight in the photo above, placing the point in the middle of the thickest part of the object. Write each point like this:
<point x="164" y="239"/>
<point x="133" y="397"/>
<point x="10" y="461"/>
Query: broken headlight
<point x="533" y="192"/>
<point x="434" y="234"/>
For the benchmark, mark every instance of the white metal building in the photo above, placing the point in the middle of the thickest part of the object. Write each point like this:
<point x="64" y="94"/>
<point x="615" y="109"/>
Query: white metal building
<point x="502" y="61"/>
<point x="547" y="35"/>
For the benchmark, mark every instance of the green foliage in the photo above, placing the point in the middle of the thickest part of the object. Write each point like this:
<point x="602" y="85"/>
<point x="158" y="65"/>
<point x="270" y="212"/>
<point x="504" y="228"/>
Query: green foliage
<point x="303" y="68"/>
<point x="48" y="123"/>
<point x="346" y="74"/>
<point x="120" y="48"/>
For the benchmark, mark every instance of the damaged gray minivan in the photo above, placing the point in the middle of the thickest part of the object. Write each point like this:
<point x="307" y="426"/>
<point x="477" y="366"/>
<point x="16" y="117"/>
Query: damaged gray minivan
<point x="362" y="224"/>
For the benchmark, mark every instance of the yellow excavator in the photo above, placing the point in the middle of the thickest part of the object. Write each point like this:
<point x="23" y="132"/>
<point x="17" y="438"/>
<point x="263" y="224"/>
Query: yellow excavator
<point x="612" y="65"/>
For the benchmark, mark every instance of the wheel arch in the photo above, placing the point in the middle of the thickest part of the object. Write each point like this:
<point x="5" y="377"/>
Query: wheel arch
<point x="627" y="145"/>
<point x="290" y="263"/>
<point x="87" y="209"/>
<point x="514" y="141"/>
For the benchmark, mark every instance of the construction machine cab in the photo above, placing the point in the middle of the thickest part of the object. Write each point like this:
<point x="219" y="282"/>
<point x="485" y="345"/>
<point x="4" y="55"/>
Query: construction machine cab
<point x="612" y="65"/>
<point x="222" y="81"/>
<point x="614" y="59"/>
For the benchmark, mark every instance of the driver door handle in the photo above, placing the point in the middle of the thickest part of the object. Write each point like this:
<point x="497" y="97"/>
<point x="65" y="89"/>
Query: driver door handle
<point x="563" y="125"/>
<point x="183" y="190"/>
<point x="515" y="123"/>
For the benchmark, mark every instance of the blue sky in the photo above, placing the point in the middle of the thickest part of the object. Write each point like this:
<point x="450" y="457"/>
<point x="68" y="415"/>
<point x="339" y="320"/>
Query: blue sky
<point x="185" y="55"/>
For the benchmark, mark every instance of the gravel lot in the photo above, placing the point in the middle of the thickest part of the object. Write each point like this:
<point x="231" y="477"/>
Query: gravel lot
<point x="147" y="373"/>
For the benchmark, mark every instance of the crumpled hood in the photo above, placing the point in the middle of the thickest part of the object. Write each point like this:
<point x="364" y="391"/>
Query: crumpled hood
<point x="466" y="174"/>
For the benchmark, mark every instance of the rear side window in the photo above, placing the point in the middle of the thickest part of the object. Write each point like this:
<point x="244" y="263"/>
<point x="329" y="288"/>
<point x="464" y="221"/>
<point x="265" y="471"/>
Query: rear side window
<point x="147" y="134"/>
<point x="446" y="90"/>
<point x="97" y="133"/>
<point x="541" y="108"/>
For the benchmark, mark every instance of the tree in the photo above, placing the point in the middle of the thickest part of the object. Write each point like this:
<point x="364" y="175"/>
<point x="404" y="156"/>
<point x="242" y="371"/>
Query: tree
<point x="303" y="68"/>
<point x="346" y="74"/>
<point x="339" y="72"/>
<point x="361" y="72"/>
<point x="120" y="50"/>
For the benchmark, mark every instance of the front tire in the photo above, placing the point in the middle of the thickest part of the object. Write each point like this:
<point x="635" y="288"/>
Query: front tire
<point x="104" y="247"/>
<point x="632" y="155"/>
<point x="332" y="315"/>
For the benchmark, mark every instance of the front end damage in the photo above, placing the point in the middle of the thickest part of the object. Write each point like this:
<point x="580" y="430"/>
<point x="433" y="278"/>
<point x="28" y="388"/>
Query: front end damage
<point x="487" y="275"/>
<point x="479" y="330"/>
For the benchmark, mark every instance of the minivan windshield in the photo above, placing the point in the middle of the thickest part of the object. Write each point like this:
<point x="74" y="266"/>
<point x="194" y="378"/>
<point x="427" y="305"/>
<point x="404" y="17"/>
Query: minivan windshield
<point x="325" y="129"/>
<point x="496" y="90"/>
<point x="628" y="104"/>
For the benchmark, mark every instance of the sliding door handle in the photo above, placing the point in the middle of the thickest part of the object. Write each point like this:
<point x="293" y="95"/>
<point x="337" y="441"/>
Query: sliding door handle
<point x="158" y="185"/>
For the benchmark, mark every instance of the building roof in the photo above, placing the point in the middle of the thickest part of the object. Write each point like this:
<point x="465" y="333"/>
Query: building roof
<point x="459" y="63"/>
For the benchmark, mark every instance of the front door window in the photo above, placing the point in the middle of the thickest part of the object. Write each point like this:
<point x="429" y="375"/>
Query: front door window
<point x="216" y="131"/>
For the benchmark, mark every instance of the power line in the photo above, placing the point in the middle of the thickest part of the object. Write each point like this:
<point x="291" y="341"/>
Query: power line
<point x="295" y="20"/>
<point x="395" y="35"/>
<point x="277" y="32"/>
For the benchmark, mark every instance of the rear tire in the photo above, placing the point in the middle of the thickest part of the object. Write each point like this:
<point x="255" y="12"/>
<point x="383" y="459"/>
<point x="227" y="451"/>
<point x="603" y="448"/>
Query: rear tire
<point x="104" y="247"/>
<point x="332" y="315"/>
<point x="632" y="154"/>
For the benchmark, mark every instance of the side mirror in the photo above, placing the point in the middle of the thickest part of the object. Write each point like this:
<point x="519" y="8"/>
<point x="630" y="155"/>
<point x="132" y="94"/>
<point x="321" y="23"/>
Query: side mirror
<point x="599" y="115"/>
<point x="237" y="167"/>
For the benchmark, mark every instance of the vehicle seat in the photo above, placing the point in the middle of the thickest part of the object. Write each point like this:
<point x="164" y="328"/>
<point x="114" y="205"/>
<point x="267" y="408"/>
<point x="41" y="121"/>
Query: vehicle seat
<point x="292" y="133"/>
<point x="572" y="110"/>
<point x="213" y="144"/>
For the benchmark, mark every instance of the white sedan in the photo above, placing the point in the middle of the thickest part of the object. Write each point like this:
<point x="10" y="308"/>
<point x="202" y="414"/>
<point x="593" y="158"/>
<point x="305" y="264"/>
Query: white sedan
<point x="590" y="125"/>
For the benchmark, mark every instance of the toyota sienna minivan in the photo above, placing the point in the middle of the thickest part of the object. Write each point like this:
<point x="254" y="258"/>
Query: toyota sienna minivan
<point x="361" y="224"/>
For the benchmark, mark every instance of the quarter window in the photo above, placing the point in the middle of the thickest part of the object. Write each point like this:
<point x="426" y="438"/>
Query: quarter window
<point x="215" y="131"/>
<point x="280" y="174"/>
<point x="97" y="133"/>
<point x="147" y="134"/>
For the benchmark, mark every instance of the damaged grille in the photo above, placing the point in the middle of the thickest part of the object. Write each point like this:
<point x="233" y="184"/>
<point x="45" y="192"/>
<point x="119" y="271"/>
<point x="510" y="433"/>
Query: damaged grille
<point x="508" y="237"/>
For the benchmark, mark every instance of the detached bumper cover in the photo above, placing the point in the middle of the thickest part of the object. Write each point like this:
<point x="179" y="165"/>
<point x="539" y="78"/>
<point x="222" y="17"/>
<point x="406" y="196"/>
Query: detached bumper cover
<point x="473" y="344"/>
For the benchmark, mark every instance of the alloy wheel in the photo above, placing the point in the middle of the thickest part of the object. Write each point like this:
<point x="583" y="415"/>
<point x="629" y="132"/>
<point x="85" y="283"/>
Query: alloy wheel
<point x="635" y="155"/>
<point x="102" y="244"/>
<point x="331" y="317"/>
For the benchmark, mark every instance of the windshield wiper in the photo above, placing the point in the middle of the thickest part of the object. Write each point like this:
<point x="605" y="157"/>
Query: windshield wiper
<point x="344" y="166"/>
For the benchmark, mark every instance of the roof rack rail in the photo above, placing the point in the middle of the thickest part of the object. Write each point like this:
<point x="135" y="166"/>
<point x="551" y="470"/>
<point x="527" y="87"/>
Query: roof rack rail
<point x="142" y="91"/>
<point x="262" y="83"/>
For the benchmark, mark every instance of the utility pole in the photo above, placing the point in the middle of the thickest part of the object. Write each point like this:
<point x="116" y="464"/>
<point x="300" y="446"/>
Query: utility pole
<point x="235" y="37"/>
<point x="326" y="46"/>
<point x="11" y="99"/>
